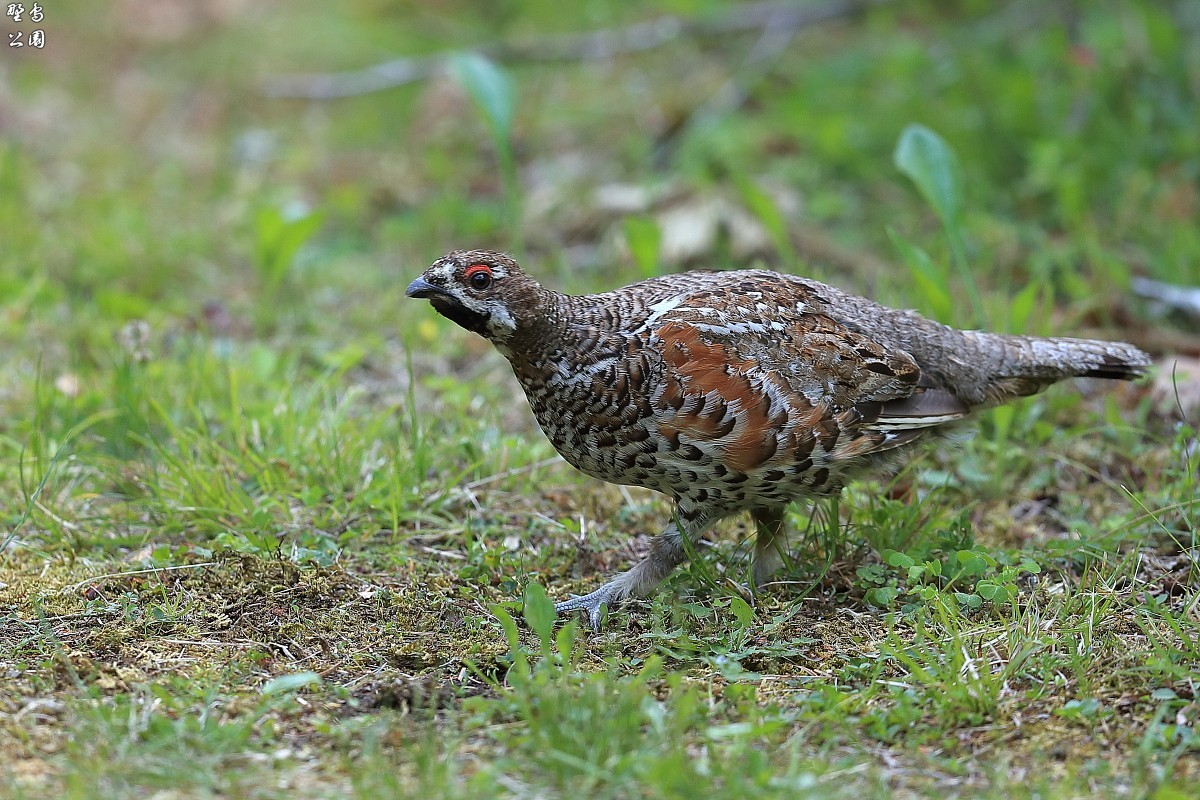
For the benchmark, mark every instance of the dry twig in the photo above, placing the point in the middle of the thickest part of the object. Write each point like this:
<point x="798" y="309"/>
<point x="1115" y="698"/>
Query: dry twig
<point x="768" y="17"/>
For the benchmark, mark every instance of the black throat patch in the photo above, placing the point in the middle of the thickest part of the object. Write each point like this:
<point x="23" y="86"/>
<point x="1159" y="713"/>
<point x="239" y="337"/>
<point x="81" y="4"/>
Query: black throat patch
<point x="461" y="315"/>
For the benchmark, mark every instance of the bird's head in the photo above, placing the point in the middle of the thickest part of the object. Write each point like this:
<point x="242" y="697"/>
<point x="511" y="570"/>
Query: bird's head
<point x="482" y="291"/>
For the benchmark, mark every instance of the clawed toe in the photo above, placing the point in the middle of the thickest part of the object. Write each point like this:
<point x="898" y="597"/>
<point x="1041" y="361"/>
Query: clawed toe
<point x="593" y="604"/>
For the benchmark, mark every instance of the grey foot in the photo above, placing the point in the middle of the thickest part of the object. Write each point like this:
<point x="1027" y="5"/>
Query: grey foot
<point x="666" y="553"/>
<point x="593" y="603"/>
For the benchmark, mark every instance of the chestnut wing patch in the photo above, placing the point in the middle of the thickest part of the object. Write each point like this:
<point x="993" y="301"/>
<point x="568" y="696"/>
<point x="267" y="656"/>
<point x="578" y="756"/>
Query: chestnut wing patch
<point x="710" y="395"/>
<point x="753" y="376"/>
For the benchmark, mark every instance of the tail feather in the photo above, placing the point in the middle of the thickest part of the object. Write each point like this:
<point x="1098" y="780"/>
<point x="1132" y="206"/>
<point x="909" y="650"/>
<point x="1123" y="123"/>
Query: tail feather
<point x="1076" y="358"/>
<point x="1023" y="365"/>
<point x="1116" y="372"/>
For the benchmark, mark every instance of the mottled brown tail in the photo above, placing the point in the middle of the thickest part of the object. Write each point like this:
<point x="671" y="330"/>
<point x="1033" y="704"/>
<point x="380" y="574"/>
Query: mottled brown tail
<point x="1083" y="358"/>
<point x="1022" y="365"/>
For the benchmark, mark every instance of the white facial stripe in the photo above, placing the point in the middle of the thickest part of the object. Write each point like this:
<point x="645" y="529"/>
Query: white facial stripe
<point x="500" y="322"/>
<point x="443" y="271"/>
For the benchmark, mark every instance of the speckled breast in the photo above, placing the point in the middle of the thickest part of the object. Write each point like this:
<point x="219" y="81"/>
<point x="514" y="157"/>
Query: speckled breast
<point x="618" y="421"/>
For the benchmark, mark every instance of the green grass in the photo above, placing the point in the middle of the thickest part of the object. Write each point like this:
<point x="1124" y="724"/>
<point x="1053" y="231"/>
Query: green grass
<point x="270" y="529"/>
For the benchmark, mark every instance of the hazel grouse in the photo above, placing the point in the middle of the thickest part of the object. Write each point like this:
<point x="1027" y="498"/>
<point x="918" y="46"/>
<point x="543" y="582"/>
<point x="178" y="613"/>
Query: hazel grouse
<point x="738" y="391"/>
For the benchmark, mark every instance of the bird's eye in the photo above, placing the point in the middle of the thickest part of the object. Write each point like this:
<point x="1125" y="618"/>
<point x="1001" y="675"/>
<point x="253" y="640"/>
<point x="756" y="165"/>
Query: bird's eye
<point x="479" y="276"/>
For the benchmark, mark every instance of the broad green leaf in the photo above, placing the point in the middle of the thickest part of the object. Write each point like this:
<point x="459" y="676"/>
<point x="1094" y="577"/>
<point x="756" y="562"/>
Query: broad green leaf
<point x="968" y="600"/>
<point x="509" y="625"/>
<point x="278" y="236"/>
<point x="764" y="207"/>
<point x="732" y="730"/>
<point x="651" y="670"/>
<point x="290" y="683"/>
<point x="971" y="562"/>
<point x="520" y="662"/>
<point x="929" y="162"/>
<point x="539" y="613"/>
<point x="742" y="611"/>
<point x="925" y="158"/>
<point x="565" y="641"/>
<point x="490" y="88"/>
<point x="931" y="280"/>
<point x="884" y="595"/>
<point x="1022" y="306"/>
<point x="993" y="592"/>
<point x="643" y="236"/>
<point x="1002" y="418"/>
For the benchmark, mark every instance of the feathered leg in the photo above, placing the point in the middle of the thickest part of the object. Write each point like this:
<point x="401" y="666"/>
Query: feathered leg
<point x="666" y="553"/>
<point x="768" y="543"/>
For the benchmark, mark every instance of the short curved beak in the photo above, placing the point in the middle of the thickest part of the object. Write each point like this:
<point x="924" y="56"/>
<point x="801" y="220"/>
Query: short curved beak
<point x="422" y="288"/>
